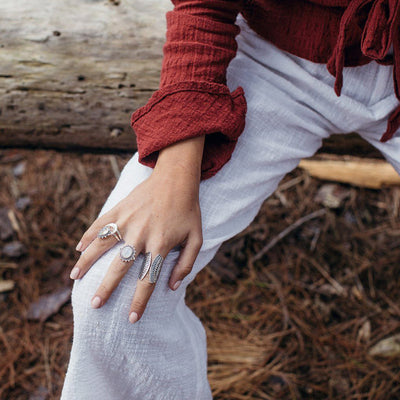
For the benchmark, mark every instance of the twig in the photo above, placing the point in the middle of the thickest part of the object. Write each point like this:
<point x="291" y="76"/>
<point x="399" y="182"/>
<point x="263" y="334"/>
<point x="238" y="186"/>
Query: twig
<point x="114" y="166"/>
<point x="339" y="289"/>
<point x="286" y="231"/>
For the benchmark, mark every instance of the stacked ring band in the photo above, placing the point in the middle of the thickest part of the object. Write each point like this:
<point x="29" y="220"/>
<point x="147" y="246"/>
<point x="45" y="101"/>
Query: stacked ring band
<point x="154" y="267"/>
<point x="127" y="253"/>
<point x="110" y="230"/>
<point x="145" y="266"/>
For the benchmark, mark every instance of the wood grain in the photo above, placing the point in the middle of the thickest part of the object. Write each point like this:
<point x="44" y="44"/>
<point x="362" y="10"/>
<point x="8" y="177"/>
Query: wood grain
<point x="73" y="71"/>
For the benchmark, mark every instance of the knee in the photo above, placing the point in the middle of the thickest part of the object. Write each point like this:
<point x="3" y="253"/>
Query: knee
<point x="109" y="325"/>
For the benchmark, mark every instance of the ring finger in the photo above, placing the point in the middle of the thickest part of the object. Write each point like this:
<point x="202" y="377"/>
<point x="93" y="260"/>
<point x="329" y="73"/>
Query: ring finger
<point x="148" y="275"/>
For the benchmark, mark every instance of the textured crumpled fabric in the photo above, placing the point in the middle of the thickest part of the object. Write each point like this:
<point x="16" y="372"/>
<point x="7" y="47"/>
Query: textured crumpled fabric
<point x="381" y="29"/>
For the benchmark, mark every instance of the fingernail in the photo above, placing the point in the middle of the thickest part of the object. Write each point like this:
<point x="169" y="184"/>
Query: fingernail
<point x="133" y="317"/>
<point x="79" y="246"/>
<point x="177" y="284"/>
<point x="74" y="273"/>
<point x="96" y="302"/>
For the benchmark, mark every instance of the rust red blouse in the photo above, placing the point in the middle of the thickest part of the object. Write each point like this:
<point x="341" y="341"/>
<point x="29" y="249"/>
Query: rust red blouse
<point x="193" y="98"/>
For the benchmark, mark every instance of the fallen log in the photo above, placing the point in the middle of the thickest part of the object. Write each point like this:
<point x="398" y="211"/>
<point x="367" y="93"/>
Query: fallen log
<point x="368" y="173"/>
<point x="73" y="71"/>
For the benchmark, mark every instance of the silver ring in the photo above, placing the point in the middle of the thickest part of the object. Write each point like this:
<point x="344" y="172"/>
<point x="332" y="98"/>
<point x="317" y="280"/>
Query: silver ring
<point x="127" y="253"/>
<point x="154" y="267"/>
<point x="145" y="266"/>
<point x="110" y="230"/>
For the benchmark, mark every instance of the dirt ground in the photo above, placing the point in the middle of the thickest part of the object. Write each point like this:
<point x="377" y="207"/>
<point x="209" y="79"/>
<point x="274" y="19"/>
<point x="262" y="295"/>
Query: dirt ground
<point x="293" y="314"/>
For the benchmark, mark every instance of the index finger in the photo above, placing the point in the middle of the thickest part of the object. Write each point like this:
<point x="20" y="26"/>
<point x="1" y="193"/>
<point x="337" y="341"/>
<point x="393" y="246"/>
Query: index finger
<point x="148" y="275"/>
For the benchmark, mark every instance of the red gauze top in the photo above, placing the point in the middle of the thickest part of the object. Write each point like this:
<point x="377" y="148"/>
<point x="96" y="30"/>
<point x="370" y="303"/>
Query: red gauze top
<point x="193" y="98"/>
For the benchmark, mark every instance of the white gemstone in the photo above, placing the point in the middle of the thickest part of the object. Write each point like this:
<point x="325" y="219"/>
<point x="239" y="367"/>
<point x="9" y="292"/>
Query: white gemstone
<point x="127" y="252"/>
<point x="104" y="231"/>
<point x="112" y="228"/>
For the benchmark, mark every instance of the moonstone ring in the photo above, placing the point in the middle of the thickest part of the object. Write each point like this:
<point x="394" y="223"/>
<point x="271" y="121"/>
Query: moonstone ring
<point x="110" y="230"/>
<point x="127" y="253"/>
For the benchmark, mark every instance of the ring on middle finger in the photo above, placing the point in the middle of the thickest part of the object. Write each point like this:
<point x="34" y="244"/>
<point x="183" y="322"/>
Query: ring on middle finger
<point x="127" y="253"/>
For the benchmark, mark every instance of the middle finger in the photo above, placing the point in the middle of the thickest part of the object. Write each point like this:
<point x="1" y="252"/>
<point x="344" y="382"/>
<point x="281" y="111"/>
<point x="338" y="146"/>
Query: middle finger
<point x="116" y="271"/>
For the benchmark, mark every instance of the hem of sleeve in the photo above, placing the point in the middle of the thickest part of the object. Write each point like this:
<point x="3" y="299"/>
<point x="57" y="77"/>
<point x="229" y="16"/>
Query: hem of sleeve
<point x="190" y="109"/>
<point x="201" y="87"/>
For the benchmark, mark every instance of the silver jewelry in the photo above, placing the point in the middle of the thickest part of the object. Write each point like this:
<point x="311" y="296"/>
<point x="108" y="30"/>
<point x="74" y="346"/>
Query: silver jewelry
<point x="156" y="268"/>
<point x="110" y="230"/>
<point x="145" y="266"/>
<point x="127" y="253"/>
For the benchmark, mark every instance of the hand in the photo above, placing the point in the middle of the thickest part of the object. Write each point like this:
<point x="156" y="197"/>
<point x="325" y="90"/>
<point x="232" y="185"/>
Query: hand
<point x="157" y="215"/>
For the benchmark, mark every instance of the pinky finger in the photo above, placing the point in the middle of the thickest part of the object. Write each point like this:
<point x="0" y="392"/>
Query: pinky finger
<point x="186" y="260"/>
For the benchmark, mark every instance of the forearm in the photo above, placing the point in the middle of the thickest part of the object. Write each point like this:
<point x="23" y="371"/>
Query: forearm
<point x="182" y="159"/>
<point x="200" y="41"/>
<point x="193" y="98"/>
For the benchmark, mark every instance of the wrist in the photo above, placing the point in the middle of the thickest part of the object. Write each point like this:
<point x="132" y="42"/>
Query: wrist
<point x="182" y="158"/>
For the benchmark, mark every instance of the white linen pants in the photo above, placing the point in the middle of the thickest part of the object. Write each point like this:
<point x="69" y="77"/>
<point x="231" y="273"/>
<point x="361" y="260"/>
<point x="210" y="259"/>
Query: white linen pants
<point x="291" y="108"/>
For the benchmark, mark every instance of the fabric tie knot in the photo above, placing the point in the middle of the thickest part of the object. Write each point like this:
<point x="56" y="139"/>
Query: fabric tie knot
<point x="379" y="20"/>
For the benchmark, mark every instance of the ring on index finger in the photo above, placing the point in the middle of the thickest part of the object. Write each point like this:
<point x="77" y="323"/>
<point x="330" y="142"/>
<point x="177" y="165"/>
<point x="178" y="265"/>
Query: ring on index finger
<point x="110" y="230"/>
<point x="154" y="267"/>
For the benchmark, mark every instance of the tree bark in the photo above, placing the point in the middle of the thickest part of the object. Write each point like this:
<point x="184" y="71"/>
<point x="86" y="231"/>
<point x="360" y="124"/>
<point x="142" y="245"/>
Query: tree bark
<point x="73" y="71"/>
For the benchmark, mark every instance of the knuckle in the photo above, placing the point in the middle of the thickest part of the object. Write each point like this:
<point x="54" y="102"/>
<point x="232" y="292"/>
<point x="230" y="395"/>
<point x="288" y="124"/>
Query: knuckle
<point x="186" y="270"/>
<point x="83" y="259"/>
<point x="105" y="290"/>
<point x="198" y="242"/>
<point x="94" y="229"/>
<point x="157" y="245"/>
<point x="139" y="305"/>
<point x="160" y="242"/>
<point x="140" y="229"/>
<point x="147" y="284"/>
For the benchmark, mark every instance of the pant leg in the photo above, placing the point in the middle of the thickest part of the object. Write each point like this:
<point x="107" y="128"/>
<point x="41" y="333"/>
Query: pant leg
<point x="367" y="100"/>
<point x="379" y="114"/>
<point x="164" y="355"/>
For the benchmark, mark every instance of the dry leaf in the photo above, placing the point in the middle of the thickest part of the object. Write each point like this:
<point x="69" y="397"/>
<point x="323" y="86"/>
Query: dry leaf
<point x="6" y="286"/>
<point x="364" y="332"/>
<point x="49" y="304"/>
<point x="6" y="229"/>
<point x="41" y="393"/>
<point x="14" y="249"/>
<point x="331" y="195"/>
<point x="389" y="347"/>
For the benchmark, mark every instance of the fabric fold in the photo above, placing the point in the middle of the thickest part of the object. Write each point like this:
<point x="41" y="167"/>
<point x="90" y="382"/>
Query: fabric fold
<point x="379" y="20"/>
<point x="189" y="109"/>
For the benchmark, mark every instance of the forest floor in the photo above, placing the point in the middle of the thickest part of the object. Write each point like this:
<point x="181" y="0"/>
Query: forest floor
<point x="293" y="314"/>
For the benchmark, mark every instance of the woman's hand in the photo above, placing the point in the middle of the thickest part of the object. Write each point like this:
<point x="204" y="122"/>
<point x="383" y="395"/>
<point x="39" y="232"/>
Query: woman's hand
<point x="159" y="214"/>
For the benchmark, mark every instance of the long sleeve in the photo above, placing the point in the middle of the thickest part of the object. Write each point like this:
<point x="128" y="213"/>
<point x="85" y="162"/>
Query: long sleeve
<point x="193" y="98"/>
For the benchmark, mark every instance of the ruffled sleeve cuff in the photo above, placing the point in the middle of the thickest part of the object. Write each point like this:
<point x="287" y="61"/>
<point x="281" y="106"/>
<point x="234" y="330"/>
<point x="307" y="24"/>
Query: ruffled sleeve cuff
<point x="190" y="109"/>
